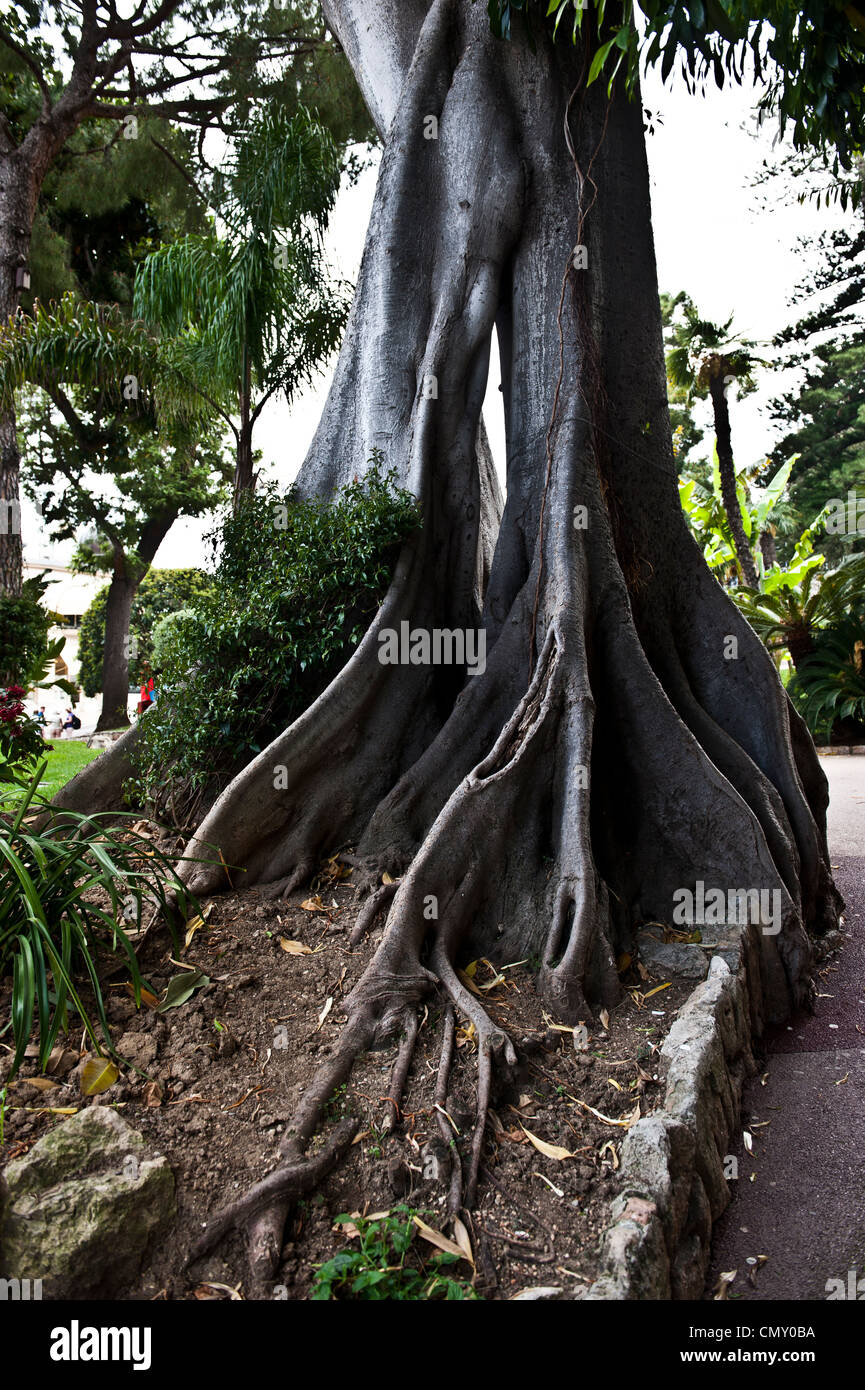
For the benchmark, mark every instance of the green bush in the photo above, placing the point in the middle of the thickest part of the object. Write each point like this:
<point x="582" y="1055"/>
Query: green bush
<point x="24" y="624"/>
<point x="828" y="687"/>
<point x="296" y="587"/>
<point x="388" y="1264"/>
<point x="172" y="638"/>
<point x="160" y="592"/>
<point x="70" y="887"/>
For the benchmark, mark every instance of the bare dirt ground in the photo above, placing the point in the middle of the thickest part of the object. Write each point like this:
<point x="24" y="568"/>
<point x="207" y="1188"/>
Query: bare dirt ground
<point x="218" y="1076"/>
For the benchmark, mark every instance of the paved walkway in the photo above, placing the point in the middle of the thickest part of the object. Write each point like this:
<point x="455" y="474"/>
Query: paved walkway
<point x="800" y="1197"/>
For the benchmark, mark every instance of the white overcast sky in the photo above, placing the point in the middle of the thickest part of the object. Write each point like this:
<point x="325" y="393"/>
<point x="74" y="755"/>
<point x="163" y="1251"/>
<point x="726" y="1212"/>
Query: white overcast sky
<point x="713" y="236"/>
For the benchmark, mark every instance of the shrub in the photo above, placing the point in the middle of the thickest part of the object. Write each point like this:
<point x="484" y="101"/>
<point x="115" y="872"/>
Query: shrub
<point x="160" y="592"/>
<point x="828" y="687"/>
<point x="68" y="884"/>
<point x="296" y="587"/>
<point x="388" y="1264"/>
<point x="24" y="624"/>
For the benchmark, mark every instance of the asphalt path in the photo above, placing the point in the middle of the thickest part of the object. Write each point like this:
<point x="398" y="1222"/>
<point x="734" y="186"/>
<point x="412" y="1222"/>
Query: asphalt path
<point x="800" y="1194"/>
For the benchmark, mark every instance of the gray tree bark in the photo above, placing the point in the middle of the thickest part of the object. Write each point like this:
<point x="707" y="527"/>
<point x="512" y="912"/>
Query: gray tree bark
<point x="613" y="750"/>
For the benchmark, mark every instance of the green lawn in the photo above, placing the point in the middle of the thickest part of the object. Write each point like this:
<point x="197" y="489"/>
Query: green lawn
<point x="67" y="759"/>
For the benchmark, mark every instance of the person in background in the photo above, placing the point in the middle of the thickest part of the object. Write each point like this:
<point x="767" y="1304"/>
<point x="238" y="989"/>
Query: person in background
<point x="148" y="685"/>
<point x="39" y="715"/>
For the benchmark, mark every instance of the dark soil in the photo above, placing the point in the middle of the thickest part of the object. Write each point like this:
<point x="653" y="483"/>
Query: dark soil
<point x="223" y="1071"/>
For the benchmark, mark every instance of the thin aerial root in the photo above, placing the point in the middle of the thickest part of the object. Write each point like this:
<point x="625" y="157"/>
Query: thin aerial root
<point x="264" y="1238"/>
<point x="485" y="1076"/>
<point x="400" y="1071"/>
<point x="441" y="1100"/>
<point x="370" y="910"/>
<point x="286" y="1183"/>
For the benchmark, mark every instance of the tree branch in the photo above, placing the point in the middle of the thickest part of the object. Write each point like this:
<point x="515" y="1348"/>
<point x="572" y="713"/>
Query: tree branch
<point x="180" y="169"/>
<point x="30" y="62"/>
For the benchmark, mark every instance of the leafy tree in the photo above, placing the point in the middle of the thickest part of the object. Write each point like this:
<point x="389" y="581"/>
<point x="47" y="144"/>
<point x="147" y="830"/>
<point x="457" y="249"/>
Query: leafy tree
<point x="704" y="360"/>
<point x="92" y="463"/>
<point x="252" y="313"/>
<point x="161" y="592"/>
<point x="190" y="62"/>
<point x="824" y="416"/>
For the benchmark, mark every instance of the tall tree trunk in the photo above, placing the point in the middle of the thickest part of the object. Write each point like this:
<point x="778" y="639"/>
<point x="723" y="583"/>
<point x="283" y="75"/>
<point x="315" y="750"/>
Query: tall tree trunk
<point x="115" y="654"/>
<point x="125" y="583"/>
<point x="618" y="747"/>
<point x="244" y="478"/>
<point x="16" y="219"/>
<point x="727" y="470"/>
<point x="768" y="549"/>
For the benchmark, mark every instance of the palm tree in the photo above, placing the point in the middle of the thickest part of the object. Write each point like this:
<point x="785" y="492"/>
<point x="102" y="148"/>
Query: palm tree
<point x="253" y="312"/>
<point x="804" y="602"/>
<point x="705" y="360"/>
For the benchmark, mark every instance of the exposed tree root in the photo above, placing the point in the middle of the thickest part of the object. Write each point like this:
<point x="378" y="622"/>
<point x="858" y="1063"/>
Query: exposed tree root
<point x="288" y="1182"/>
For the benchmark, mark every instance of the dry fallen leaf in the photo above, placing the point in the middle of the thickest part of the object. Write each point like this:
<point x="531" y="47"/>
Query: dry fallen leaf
<point x="748" y="1141"/>
<point x="548" y="1150"/>
<point x="294" y="948"/>
<point x="325" y="1011"/>
<point x="97" y="1074"/>
<point x="41" y="1083"/>
<point x="723" y="1285"/>
<point x="614" y="1157"/>
<point x="656" y="990"/>
<point x="386" y="878"/>
<point x="625" y="1123"/>
<point x="147" y="997"/>
<point x="605" y="1018"/>
<point x="461" y="1236"/>
<point x="437" y="1239"/>
<point x="314" y="904"/>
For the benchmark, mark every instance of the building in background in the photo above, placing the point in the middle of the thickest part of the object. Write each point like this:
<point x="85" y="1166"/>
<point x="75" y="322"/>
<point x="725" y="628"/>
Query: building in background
<point x="69" y="595"/>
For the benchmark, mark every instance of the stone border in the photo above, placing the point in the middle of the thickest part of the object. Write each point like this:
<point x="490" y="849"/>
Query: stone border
<point x="672" y="1182"/>
<point x="849" y="749"/>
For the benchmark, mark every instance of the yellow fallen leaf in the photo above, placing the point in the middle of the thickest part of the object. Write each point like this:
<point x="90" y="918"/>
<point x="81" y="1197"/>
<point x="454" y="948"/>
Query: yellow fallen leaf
<point x="295" y="948"/>
<point x="42" y="1083"/>
<point x="461" y="1236"/>
<point x="147" y="997"/>
<point x="97" y="1075"/>
<point x="314" y="904"/>
<point x="629" y="1119"/>
<point x="437" y="1239"/>
<point x="386" y="878"/>
<point x="656" y="990"/>
<point x="548" y="1150"/>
